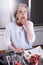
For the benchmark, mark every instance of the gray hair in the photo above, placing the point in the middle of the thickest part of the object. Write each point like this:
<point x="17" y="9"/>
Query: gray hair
<point x="22" y="4"/>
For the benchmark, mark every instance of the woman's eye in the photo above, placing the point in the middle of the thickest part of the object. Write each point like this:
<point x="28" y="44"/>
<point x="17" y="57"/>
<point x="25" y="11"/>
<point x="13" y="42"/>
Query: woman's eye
<point x="20" y="11"/>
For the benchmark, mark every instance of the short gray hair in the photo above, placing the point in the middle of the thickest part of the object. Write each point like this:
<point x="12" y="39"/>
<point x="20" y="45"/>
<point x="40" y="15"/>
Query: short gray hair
<point x="21" y="4"/>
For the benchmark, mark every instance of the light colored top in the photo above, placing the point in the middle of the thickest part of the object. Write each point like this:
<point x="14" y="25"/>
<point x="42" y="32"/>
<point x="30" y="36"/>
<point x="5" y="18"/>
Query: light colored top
<point x="18" y="36"/>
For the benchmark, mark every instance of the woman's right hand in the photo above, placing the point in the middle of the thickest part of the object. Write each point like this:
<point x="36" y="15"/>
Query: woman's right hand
<point x="19" y="50"/>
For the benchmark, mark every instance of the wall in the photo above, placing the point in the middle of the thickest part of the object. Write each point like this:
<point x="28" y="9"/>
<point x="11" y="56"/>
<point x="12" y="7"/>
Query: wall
<point x="2" y="39"/>
<point x="39" y="35"/>
<point x="4" y="21"/>
<point x="4" y="13"/>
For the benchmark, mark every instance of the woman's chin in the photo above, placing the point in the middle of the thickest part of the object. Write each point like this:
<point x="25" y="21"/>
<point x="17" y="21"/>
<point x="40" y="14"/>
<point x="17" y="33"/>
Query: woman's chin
<point x="19" y="24"/>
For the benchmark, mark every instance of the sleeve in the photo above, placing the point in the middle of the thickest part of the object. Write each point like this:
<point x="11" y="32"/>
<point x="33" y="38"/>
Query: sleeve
<point x="32" y="31"/>
<point x="13" y="34"/>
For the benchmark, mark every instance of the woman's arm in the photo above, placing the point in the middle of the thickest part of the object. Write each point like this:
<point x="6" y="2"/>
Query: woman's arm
<point x="18" y="50"/>
<point x="30" y="31"/>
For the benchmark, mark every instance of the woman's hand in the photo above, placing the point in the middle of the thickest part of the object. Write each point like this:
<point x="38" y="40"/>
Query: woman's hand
<point x="19" y="50"/>
<point x="27" y="24"/>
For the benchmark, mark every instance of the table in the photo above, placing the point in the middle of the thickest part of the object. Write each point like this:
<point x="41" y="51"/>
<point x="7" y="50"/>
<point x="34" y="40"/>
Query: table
<point x="2" y="51"/>
<point x="6" y="56"/>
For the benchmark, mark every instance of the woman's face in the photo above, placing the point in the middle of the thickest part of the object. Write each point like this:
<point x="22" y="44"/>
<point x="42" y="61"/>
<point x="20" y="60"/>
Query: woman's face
<point x="21" y="14"/>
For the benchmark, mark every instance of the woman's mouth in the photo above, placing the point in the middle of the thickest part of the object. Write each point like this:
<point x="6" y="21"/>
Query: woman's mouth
<point x="23" y="17"/>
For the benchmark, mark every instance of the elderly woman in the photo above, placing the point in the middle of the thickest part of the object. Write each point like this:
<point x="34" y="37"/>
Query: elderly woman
<point x="21" y="30"/>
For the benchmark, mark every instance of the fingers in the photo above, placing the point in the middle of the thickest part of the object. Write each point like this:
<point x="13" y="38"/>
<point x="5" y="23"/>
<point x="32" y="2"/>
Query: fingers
<point x="20" y="50"/>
